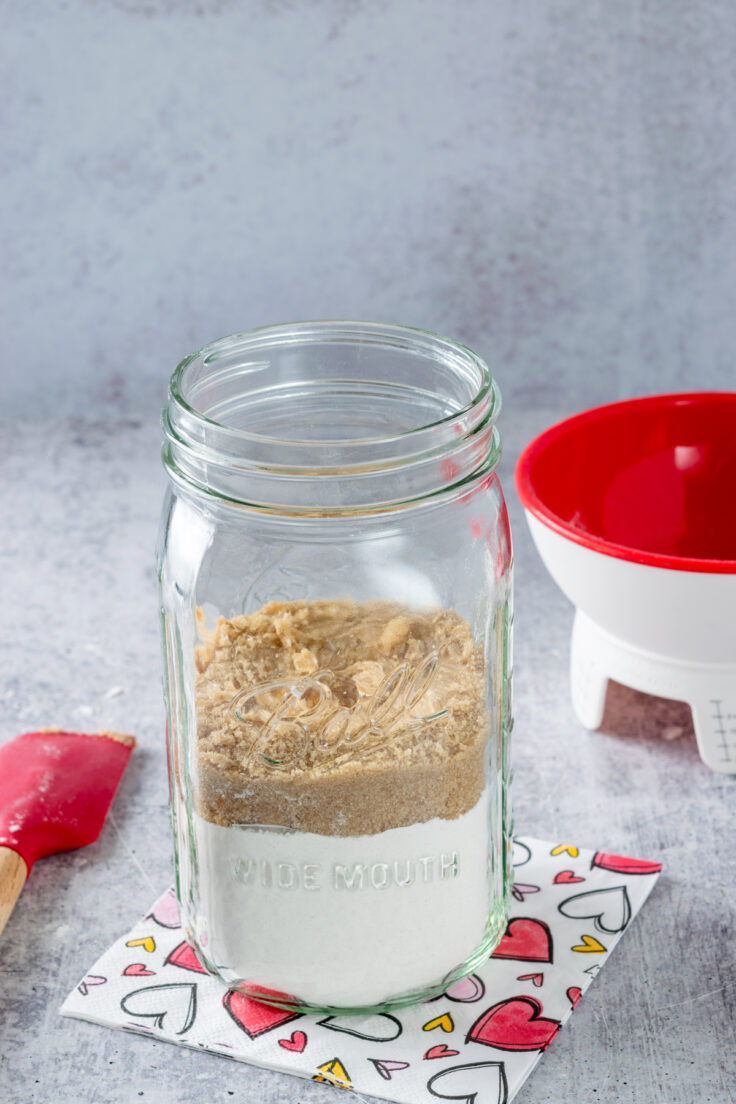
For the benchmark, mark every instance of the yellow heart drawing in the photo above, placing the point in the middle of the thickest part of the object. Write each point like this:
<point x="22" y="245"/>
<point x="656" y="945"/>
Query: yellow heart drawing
<point x="335" y="1074"/>
<point x="590" y="946"/>
<point x="148" y="944"/>
<point x="563" y="847"/>
<point x="445" y="1022"/>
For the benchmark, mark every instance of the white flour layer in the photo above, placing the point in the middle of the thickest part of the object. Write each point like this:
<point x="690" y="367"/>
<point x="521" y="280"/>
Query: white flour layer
<point x="344" y="921"/>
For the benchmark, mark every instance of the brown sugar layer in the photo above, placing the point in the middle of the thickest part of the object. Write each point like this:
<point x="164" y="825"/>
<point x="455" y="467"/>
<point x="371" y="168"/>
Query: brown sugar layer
<point x="339" y="718"/>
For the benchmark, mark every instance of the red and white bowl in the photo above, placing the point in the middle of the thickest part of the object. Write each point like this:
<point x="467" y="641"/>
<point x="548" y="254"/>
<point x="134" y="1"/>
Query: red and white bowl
<point x="632" y="507"/>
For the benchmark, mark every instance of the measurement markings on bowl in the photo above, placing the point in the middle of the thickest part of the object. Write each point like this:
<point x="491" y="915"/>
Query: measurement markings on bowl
<point x="722" y="720"/>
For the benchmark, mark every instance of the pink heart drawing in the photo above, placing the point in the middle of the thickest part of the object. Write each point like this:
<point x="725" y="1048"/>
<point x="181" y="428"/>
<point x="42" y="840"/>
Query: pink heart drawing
<point x="440" y="1051"/>
<point x="137" y="969"/>
<point x="166" y="911"/>
<point x="89" y="981"/>
<point x="387" y="1068"/>
<point x="466" y="991"/>
<point x="574" y="993"/>
<point x="535" y="979"/>
<point x="296" y="1042"/>
<point x="521" y="891"/>
<point x="566" y="877"/>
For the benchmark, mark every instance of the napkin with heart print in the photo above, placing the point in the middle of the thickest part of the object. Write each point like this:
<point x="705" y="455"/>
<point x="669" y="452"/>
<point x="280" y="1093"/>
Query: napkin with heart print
<point x="477" y="1043"/>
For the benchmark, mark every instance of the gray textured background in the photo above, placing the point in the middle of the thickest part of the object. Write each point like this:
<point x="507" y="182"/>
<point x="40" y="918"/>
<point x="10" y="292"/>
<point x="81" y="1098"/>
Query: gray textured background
<point x="552" y="182"/>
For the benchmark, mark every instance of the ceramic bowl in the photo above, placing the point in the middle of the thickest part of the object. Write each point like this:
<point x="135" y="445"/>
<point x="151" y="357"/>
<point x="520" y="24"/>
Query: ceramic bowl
<point x="632" y="507"/>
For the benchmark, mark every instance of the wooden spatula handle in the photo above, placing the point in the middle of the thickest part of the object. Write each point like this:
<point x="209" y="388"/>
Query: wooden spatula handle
<point x="13" y="874"/>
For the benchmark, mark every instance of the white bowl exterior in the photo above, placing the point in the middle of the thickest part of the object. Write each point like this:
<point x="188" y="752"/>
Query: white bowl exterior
<point x="688" y="615"/>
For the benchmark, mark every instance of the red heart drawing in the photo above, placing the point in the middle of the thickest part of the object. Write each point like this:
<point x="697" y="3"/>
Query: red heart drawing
<point x="137" y="969"/>
<point x="256" y="1018"/>
<point x="573" y="995"/>
<point x="183" y="955"/>
<point x="536" y="979"/>
<point x="566" y="877"/>
<point x="297" y="1042"/>
<point x="440" y="1051"/>
<point x="514" y="1024"/>
<point x="622" y="865"/>
<point x="527" y="940"/>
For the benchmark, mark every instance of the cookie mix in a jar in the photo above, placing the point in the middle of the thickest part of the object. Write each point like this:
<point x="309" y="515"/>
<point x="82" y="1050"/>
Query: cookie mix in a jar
<point x="335" y="593"/>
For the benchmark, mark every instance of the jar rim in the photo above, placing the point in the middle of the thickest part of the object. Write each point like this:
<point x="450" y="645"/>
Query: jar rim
<point x="313" y="331"/>
<point x="235" y="404"/>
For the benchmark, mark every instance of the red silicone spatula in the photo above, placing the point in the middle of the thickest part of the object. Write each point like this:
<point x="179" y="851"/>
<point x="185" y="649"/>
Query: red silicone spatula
<point x="55" y="791"/>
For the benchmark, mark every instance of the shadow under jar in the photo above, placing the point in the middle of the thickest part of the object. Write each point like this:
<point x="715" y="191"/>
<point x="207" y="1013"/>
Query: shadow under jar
<point x="335" y="580"/>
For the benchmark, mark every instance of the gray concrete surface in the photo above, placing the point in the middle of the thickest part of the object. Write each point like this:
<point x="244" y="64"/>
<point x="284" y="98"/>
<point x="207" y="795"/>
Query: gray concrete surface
<point x="553" y="183"/>
<point x="79" y="502"/>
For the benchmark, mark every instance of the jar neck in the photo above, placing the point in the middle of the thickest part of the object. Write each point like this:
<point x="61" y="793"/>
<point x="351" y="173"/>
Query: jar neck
<point x="331" y="418"/>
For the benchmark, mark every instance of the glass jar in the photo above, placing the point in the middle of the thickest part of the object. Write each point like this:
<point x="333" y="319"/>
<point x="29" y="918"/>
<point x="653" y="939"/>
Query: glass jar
<point x="335" y="581"/>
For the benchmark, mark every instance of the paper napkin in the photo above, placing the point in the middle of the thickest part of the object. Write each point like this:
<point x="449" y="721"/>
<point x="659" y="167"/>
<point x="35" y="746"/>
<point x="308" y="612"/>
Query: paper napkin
<point x="478" y="1042"/>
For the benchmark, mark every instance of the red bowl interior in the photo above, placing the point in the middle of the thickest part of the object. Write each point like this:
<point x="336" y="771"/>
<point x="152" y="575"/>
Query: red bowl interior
<point x="651" y="480"/>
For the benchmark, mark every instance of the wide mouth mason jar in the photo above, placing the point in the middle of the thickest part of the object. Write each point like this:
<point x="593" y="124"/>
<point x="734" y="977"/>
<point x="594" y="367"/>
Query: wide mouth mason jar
<point x="335" y="581"/>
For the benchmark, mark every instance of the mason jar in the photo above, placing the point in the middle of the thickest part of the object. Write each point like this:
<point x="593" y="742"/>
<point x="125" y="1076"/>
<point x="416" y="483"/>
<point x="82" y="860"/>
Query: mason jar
<point x="335" y="591"/>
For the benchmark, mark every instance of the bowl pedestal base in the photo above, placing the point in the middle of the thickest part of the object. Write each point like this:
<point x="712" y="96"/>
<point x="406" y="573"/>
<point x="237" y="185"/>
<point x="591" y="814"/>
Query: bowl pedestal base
<point x="708" y="688"/>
